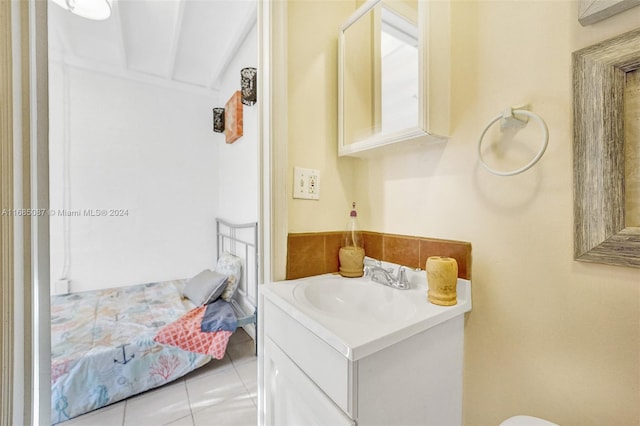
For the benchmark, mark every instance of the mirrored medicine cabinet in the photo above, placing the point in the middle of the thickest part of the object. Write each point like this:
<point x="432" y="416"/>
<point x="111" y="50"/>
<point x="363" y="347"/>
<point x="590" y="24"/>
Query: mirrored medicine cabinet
<point x="393" y="75"/>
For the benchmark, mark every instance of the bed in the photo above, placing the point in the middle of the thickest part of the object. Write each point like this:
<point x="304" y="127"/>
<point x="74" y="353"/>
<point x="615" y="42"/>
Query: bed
<point x="107" y="345"/>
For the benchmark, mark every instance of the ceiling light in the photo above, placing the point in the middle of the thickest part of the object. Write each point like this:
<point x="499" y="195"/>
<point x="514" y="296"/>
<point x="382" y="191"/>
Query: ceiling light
<point x="97" y="10"/>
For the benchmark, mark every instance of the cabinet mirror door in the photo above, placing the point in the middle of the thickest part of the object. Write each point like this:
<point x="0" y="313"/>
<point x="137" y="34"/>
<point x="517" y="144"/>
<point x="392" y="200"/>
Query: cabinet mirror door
<point x="383" y="75"/>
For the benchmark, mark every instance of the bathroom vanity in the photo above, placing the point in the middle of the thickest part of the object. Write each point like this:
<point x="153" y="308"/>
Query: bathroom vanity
<point x="347" y="351"/>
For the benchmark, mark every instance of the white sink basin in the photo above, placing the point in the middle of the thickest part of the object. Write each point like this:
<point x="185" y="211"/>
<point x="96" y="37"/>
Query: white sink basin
<point x="355" y="298"/>
<point x="358" y="317"/>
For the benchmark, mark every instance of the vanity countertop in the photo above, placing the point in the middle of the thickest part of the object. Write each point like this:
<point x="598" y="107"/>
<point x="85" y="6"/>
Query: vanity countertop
<point x="358" y="317"/>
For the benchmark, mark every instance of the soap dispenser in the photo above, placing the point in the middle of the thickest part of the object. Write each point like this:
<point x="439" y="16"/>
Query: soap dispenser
<point x="351" y="253"/>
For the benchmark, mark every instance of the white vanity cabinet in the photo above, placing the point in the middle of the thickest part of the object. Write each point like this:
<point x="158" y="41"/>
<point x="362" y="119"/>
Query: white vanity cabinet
<point x="313" y="374"/>
<point x="293" y="398"/>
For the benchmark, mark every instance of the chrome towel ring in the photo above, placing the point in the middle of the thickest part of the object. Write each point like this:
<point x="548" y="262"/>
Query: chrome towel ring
<point x="511" y="115"/>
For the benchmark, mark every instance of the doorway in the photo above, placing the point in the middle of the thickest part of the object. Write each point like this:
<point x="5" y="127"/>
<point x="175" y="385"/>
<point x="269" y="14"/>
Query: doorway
<point x="122" y="122"/>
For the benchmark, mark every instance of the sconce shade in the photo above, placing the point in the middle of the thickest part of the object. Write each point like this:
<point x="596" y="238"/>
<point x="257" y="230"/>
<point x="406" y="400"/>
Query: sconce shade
<point x="248" y="84"/>
<point x="97" y="10"/>
<point x="218" y="120"/>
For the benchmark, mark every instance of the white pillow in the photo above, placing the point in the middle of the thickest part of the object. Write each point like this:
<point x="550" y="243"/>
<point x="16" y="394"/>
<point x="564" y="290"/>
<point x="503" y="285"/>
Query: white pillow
<point x="205" y="287"/>
<point x="230" y="266"/>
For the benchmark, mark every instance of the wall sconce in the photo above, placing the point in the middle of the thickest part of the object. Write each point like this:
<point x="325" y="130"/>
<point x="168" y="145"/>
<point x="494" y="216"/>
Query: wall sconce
<point x="248" y="84"/>
<point x="218" y="120"/>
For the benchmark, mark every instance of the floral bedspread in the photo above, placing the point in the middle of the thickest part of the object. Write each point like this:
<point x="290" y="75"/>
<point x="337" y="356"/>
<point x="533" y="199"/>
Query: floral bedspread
<point x="103" y="348"/>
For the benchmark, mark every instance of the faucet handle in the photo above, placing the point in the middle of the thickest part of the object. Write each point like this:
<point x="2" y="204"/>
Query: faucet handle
<point x="402" y="279"/>
<point x="370" y="261"/>
<point x="367" y="270"/>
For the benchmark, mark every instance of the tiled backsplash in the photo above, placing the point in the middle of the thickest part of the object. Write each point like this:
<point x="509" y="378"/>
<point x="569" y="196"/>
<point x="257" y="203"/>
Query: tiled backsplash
<point x="317" y="253"/>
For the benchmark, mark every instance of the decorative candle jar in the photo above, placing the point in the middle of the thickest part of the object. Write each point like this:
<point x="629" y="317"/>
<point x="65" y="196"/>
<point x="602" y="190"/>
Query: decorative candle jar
<point x="442" y="279"/>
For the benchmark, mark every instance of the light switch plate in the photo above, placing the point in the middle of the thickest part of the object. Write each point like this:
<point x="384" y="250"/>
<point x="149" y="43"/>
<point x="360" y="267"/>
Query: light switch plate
<point x="306" y="183"/>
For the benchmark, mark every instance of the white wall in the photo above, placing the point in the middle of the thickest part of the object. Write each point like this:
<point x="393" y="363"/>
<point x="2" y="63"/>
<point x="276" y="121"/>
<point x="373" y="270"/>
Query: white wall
<point x="238" y="162"/>
<point x="147" y="150"/>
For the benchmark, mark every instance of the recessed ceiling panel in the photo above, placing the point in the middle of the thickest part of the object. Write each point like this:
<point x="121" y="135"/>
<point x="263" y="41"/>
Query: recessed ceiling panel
<point x="176" y="41"/>
<point x="207" y="30"/>
<point x="149" y="29"/>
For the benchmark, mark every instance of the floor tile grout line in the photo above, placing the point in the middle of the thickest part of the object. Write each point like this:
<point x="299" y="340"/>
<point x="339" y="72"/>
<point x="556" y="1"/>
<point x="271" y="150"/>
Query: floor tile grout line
<point x="244" y="385"/>
<point x="124" y="411"/>
<point x="193" y="420"/>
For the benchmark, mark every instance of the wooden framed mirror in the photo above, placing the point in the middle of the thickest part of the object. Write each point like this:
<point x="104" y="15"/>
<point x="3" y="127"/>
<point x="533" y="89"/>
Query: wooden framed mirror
<point x="606" y="147"/>
<point x="592" y="11"/>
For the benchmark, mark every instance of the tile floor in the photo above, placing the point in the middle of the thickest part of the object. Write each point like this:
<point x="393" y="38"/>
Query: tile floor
<point x="221" y="393"/>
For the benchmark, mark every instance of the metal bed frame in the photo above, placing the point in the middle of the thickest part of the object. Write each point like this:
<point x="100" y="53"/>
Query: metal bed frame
<point x="242" y="240"/>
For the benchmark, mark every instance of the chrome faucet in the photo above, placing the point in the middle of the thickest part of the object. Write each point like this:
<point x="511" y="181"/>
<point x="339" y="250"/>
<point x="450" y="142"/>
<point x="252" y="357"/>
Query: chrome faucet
<point x="374" y="270"/>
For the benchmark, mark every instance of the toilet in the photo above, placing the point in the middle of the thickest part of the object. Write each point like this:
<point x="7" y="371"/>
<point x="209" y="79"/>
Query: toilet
<point x="526" y="421"/>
